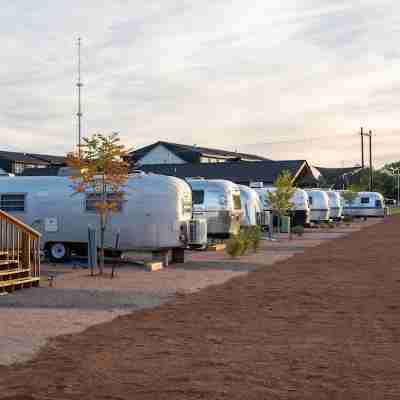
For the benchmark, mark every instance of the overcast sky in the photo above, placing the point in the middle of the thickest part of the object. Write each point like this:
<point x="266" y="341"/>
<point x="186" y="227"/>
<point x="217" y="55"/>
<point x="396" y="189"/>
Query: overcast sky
<point x="284" y="79"/>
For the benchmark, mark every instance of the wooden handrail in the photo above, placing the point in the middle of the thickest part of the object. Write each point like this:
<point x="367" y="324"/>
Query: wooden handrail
<point x="20" y="224"/>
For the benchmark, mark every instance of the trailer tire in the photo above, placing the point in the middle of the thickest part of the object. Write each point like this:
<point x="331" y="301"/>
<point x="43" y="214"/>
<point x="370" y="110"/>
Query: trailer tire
<point x="58" y="252"/>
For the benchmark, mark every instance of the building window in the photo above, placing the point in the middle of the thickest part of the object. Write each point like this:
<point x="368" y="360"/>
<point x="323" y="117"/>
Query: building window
<point x="12" y="202"/>
<point x="18" y="168"/>
<point x="93" y="198"/>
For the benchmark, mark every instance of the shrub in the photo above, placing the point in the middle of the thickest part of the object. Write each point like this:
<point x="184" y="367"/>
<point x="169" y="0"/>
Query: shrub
<point x="298" y="230"/>
<point x="246" y="238"/>
<point x="235" y="246"/>
<point x="347" y="219"/>
<point x="256" y="235"/>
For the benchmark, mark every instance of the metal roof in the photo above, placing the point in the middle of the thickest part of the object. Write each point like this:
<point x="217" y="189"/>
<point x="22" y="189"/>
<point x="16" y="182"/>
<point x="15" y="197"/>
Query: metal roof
<point x="236" y="171"/>
<point x="32" y="158"/>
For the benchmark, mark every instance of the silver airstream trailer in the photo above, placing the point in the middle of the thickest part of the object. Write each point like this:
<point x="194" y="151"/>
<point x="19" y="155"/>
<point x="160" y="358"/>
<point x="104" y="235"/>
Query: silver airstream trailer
<point x="366" y="204"/>
<point x="218" y="201"/>
<point x="335" y="205"/>
<point x="319" y="205"/>
<point x="154" y="215"/>
<point x="301" y="210"/>
<point x="251" y="205"/>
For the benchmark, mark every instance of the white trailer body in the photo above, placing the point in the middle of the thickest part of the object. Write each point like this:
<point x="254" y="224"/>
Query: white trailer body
<point x="319" y="205"/>
<point x="366" y="204"/>
<point x="154" y="214"/>
<point x="251" y="205"/>
<point x="301" y="210"/>
<point x="218" y="201"/>
<point x="335" y="204"/>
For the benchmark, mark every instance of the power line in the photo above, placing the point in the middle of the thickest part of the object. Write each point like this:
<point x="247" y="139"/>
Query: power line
<point x="305" y="140"/>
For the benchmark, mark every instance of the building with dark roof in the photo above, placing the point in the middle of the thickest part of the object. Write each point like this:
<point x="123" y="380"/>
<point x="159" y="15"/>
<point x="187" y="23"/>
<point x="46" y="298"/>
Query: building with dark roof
<point x="173" y="153"/>
<point x="241" y="172"/>
<point x="16" y="163"/>
<point x="339" y="178"/>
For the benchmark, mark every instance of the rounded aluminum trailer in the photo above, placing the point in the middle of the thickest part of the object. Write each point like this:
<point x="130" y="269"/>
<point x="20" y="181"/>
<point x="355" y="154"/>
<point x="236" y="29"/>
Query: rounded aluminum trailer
<point x="335" y="204"/>
<point x="319" y="205"/>
<point x="301" y="210"/>
<point x="366" y="204"/>
<point x="218" y="201"/>
<point x="154" y="215"/>
<point x="251" y="205"/>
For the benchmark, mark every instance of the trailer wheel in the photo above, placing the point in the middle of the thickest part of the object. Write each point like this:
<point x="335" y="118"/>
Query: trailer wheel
<point x="58" y="252"/>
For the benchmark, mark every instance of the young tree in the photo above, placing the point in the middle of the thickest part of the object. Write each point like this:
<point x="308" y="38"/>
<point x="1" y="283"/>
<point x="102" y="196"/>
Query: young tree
<point x="350" y="194"/>
<point x="280" y="200"/>
<point x="101" y="172"/>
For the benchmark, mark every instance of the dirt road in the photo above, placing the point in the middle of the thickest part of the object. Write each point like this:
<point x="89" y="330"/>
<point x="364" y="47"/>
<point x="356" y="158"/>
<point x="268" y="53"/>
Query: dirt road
<point x="324" y="324"/>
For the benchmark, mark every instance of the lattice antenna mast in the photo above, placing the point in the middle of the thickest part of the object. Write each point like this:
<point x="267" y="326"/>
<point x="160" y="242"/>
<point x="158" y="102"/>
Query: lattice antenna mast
<point x="79" y="113"/>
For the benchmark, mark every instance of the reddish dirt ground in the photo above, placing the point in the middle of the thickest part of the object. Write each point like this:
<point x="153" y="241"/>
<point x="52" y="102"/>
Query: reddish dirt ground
<point x="321" y="325"/>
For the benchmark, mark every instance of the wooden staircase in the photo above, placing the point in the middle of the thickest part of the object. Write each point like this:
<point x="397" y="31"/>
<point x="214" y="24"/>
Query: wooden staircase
<point x="19" y="254"/>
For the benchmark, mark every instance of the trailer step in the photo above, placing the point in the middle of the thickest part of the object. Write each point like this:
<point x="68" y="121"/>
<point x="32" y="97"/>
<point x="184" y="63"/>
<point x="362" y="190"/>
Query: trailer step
<point x="14" y="284"/>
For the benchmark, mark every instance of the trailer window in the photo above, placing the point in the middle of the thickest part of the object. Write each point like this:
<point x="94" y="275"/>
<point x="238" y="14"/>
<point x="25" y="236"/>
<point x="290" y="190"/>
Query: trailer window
<point x="93" y="198"/>
<point x="12" y="202"/>
<point x="364" y="200"/>
<point x="378" y="203"/>
<point x="237" y="204"/>
<point x="310" y="200"/>
<point x="198" y="196"/>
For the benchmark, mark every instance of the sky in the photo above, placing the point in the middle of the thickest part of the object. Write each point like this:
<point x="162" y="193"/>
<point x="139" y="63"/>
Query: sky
<point x="283" y="79"/>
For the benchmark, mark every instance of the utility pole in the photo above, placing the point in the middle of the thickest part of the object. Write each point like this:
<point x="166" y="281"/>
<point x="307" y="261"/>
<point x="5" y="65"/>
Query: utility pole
<point x="371" y="177"/>
<point x="396" y="177"/>
<point x="369" y="134"/>
<point x="79" y="86"/>
<point x="362" y="148"/>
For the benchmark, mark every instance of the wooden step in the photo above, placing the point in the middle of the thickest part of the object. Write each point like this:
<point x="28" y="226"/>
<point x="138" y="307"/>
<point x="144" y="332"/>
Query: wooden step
<point x="7" y="262"/>
<point x="6" y="265"/>
<point x="7" y="274"/>
<point x="13" y="284"/>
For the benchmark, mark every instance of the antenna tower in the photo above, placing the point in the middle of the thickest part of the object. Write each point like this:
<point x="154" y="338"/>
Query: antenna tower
<point x="79" y="86"/>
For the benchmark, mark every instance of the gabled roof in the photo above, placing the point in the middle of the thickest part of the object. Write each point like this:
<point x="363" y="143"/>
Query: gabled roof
<point x="55" y="160"/>
<point x="334" y="173"/>
<point x="193" y="153"/>
<point x="240" y="172"/>
<point x="32" y="158"/>
<point x="21" y="157"/>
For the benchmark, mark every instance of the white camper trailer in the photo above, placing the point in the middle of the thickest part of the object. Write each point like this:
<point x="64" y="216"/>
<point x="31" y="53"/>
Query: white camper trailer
<point x="154" y="215"/>
<point x="218" y="201"/>
<point x="301" y="210"/>
<point x="366" y="204"/>
<point x="335" y="205"/>
<point x="251" y="205"/>
<point x="319" y="205"/>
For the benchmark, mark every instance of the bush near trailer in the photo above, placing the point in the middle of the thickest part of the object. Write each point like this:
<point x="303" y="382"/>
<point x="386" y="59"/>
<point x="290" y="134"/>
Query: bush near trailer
<point x="298" y="230"/>
<point x="248" y="238"/>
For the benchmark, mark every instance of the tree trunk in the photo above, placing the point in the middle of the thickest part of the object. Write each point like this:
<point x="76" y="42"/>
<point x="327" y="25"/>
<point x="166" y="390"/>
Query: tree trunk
<point x="102" y="234"/>
<point x="278" y="228"/>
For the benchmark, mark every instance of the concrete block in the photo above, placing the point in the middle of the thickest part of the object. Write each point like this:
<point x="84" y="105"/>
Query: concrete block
<point x="152" y="266"/>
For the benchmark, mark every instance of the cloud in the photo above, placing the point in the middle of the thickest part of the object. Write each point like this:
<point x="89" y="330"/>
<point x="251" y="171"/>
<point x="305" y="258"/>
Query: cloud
<point x="218" y="73"/>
